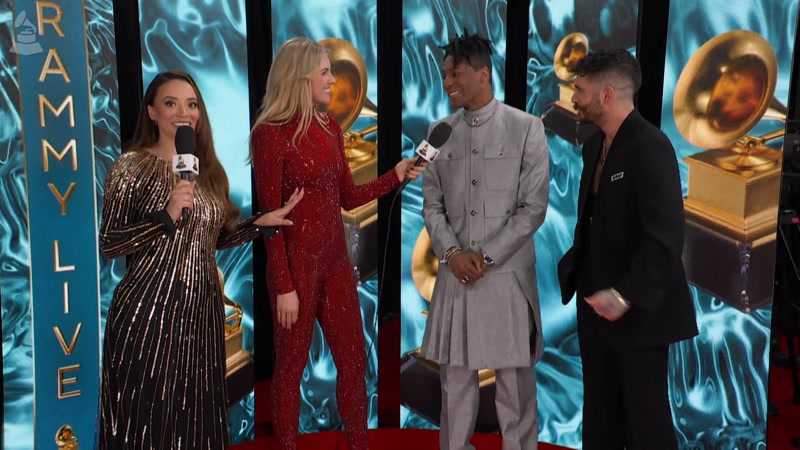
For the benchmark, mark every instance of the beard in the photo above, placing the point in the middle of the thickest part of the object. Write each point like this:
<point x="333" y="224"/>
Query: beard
<point x="589" y="113"/>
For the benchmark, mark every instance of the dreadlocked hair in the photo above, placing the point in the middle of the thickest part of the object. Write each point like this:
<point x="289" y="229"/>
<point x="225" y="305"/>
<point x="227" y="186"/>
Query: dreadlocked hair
<point x="472" y="49"/>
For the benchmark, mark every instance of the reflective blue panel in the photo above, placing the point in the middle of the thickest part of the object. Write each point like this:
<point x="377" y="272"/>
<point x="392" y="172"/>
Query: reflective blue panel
<point x="559" y="377"/>
<point x="427" y="25"/>
<point x="718" y="381"/>
<point x="209" y="41"/>
<point x="14" y="255"/>
<point x="354" y="21"/>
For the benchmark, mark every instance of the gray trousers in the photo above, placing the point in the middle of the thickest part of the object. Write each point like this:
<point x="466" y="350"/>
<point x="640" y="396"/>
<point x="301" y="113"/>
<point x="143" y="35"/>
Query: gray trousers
<point x="515" y="400"/>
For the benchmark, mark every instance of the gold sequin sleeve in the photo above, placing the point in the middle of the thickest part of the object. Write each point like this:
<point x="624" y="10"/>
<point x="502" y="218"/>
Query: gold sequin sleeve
<point x="126" y="225"/>
<point x="246" y="231"/>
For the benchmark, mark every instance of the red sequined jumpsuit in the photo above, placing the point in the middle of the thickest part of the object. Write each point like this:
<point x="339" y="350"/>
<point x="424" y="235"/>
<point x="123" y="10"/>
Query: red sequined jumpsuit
<point x="311" y="258"/>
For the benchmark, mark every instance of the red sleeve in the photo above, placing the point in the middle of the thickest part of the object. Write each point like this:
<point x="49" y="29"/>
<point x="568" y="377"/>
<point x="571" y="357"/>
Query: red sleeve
<point x="270" y="145"/>
<point x="351" y="195"/>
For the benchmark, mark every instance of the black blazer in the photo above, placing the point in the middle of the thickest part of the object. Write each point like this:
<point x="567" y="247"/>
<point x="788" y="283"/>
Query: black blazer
<point x="631" y="238"/>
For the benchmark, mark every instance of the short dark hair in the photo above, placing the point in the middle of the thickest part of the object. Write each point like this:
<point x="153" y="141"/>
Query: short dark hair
<point x="614" y="63"/>
<point x="473" y="49"/>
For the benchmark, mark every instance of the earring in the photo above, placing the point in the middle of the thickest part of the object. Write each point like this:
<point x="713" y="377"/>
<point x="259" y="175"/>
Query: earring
<point x="155" y="122"/>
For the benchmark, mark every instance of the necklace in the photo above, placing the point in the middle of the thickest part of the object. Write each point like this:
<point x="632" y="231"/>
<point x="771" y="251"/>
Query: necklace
<point x="475" y="122"/>
<point x="604" y="153"/>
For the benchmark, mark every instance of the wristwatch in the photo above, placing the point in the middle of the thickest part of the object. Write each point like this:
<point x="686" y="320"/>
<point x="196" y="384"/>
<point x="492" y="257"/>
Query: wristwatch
<point x="486" y="259"/>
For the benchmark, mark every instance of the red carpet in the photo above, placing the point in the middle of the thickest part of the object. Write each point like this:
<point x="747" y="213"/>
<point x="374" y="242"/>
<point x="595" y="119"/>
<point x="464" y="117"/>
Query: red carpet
<point x="389" y="436"/>
<point x="780" y="428"/>
<point x="786" y="425"/>
<point x="381" y="439"/>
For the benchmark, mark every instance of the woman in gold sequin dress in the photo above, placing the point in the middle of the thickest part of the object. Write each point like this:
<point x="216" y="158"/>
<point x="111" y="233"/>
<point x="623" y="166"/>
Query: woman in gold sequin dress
<point x="163" y="378"/>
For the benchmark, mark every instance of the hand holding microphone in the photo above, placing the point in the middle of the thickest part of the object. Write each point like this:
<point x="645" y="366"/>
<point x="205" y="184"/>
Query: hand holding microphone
<point x="181" y="200"/>
<point x="410" y="169"/>
<point x="185" y="164"/>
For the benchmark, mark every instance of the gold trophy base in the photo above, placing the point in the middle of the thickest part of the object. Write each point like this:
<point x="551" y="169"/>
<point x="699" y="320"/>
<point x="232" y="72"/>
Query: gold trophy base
<point x="240" y="381"/>
<point x="737" y="271"/>
<point x="565" y="93"/>
<point x="743" y="201"/>
<point x="739" y="228"/>
<point x="361" y="234"/>
<point x="420" y="391"/>
<point x="562" y="120"/>
<point x="364" y="171"/>
<point x="235" y="356"/>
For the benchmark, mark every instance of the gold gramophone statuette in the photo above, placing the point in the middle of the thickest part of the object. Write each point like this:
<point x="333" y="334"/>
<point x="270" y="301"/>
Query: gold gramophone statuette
<point x="236" y="356"/>
<point x="424" y="266"/>
<point x="66" y="439"/>
<point x="571" y="49"/>
<point x="424" y="269"/>
<point x="349" y="102"/>
<point x="724" y="91"/>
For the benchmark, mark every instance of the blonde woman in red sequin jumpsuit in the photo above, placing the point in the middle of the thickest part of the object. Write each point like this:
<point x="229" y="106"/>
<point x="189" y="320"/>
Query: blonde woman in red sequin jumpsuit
<point x="309" y="274"/>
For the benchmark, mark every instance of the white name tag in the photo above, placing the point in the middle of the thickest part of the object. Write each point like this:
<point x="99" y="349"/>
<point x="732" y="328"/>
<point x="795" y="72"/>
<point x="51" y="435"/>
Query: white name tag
<point x="617" y="176"/>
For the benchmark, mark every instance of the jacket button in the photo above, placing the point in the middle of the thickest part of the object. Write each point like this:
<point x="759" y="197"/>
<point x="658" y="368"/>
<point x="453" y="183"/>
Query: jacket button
<point x="474" y="152"/>
<point x="474" y="182"/>
<point x="472" y="213"/>
<point x="473" y="243"/>
<point x="449" y="155"/>
<point x="508" y="211"/>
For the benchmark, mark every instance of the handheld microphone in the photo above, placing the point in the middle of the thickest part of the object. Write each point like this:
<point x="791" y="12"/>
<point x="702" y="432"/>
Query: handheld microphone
<point x="185" y="163"/>
<point x="429" y="150"/>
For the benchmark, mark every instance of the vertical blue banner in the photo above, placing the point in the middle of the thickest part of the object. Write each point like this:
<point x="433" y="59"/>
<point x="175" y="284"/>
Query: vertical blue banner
<point x="349" y="29"/>
<point x="59" y="169"/>
<point x="20" y="39"/>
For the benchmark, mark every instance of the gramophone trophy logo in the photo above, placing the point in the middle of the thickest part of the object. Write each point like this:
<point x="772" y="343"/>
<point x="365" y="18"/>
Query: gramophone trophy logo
<point x="571" y="49"/>
<point x="561" y="117"/>
<point x="66" y="439"/>
<point x="724" y="91"/>
<point x="349" y="103"/>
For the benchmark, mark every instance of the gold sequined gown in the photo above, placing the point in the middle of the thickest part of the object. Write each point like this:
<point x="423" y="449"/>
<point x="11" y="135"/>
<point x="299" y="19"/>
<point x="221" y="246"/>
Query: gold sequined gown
<point x="163" y="377"/>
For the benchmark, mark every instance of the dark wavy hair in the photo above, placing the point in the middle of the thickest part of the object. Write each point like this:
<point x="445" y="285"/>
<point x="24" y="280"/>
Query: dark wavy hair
<point x="473" y="49"/>
<point x="608" y="64"/>
<point x="213" y="176"/>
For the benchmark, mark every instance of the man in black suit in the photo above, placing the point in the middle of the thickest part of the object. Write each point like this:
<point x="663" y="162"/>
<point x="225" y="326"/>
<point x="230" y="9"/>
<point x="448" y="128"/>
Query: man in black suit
<point x="625" y="263"/>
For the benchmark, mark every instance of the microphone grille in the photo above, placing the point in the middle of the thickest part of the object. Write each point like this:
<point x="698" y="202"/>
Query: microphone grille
<point x="185" y="141"/>
<point x="440" y="134"/>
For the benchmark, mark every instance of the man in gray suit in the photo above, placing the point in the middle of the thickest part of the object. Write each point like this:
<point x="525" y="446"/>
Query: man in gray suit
<point x="484" y="197"/>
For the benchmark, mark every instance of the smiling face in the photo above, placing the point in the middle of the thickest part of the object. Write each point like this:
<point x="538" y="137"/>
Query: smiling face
<point x="465" y="86"/>
<point x="321" y="83"/>
<point x="175" y="105"/>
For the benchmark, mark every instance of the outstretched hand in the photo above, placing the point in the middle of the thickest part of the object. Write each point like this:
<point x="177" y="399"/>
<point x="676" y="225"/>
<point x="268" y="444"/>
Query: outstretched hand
<point x="277" y="217"/>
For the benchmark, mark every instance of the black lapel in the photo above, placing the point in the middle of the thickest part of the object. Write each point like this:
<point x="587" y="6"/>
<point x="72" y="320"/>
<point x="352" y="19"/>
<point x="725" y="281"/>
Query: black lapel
<point x="591" y="151"/>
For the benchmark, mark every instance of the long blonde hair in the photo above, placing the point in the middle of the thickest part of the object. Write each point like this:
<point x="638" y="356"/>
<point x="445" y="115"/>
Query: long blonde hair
<point x="289" y="86"/>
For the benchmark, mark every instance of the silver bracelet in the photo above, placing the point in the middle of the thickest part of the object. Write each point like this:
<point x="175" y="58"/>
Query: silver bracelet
<point x="449" y="254"/>
<point x="620" y="298"/>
